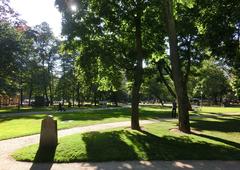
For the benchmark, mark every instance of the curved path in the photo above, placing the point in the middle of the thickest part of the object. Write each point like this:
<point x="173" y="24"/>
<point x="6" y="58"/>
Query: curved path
<point x="10" y="145"/>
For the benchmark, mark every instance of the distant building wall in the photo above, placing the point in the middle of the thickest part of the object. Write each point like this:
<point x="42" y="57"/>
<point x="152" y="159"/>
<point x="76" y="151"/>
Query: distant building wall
<point x="6" y="100"/>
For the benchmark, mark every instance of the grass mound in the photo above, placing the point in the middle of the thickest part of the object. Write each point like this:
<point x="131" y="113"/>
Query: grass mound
<point x="155" y="143"/>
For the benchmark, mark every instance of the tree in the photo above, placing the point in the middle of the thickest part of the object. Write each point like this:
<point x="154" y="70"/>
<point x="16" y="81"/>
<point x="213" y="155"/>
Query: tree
<point x="154" y="87"/>
<point x="14" y="50"/>
<point x="7" y="14"/>
<point x="124" y="25"/>
<point x="180" y="85"/>
<point x="212" y="81"/>
<point x="220" y="27"/>
<point x="46" y="47"/>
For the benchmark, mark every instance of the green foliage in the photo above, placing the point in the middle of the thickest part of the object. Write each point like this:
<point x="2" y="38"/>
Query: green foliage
<point x="212" y="81"/>
<point x="14" y="48"/>
<point x="154" y="89"/>
<point x="187" y="3"/>
<point x="220" y="20"/>
<point x="66" y="86"/>
<point x="106" y="40"/>
<point x="235" y="85"/>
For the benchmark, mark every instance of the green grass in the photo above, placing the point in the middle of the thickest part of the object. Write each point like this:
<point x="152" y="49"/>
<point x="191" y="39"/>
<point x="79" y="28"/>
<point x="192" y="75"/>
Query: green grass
<point x="218" y="110"/>
<point x="39" y="109"/>
<point x="25" y="109"/>
<point x="17" y="126"/>
<point x="219" y="140"/>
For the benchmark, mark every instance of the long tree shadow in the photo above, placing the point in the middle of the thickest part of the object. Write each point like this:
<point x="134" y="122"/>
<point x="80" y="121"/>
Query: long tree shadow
<point x="135" y="146"/>
<point x="118" y="113"/>
<point x="95" y="115"/>
<point x="222" y="125"/>
<point x="234" y="144"/>
<point x="217" y="115"/>
<point x="81" y="115"/>
<point x="107" y="146"/>
<point x="44" y="158"/>
<point x="184" y="148"/>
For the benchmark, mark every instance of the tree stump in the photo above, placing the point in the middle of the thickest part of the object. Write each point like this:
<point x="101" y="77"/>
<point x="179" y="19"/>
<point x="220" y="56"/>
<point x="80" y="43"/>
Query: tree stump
<point x="48" y="136"/>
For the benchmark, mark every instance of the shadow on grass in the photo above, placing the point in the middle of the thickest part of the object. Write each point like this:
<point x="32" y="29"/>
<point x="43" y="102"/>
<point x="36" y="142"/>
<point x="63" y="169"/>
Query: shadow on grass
<point x="36" y="117"/>
<point x="125" y="145"/>
<point x="97" y="115"/>
<point x="221" y="124"/>
<point x="81" y="115"/>
<point x="217" y="114"/>
<point x="105" y="114"/>
<point x="44" y="154"/>
<point x="145" y="114"/>
<point x="132" y="145"/>
<point x="107" y="146"/>
<point x="25" y="109"/>
<point x="234" y="144"/>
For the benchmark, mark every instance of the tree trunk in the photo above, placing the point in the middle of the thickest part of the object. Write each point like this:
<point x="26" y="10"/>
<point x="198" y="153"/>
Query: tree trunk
<point x="180" y="86"/>
<point x="21" y="97"/>
<point x="188" y="67"/>
<point x="95" y="99"/>
<point x="73" y="98"/>
<point x="21" y="90"/>
<point x="165" y="82"/>
<point x="51" y="95"/>
<point x="160" y="100"/>
<point x="30" y="95"/>
<point x="115" y="98"/>
<point x="78" y="94"/>
<point x="138" y="74"/>
<point x="46" y="95"/>
<point x="189" y="105"/>
<point x="51" y="92"/>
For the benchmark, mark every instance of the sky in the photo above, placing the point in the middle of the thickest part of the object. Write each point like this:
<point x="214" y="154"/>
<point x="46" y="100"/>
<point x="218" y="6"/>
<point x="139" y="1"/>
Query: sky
<point x="37" y="11"/>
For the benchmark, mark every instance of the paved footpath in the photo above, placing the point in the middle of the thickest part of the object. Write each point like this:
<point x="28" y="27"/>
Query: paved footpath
<point x="10" y="145"/>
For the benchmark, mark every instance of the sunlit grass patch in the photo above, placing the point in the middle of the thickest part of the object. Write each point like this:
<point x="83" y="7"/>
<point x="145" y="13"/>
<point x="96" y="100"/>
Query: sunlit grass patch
<point x="156" y="142"/>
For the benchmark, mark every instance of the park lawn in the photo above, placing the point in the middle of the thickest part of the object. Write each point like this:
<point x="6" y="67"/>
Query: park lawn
<point x="218" y="110"/>
<point x="11" y="127"/>
<point x="39" y="109"/>
<point x="25" y="109"/>
<point x="216" y="139"/>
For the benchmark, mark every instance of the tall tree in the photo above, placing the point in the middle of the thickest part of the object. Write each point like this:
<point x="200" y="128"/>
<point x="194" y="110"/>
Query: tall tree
<point x="122" y="30"/>
<point x="180" y="85"/>
<point x="46" y="47"/>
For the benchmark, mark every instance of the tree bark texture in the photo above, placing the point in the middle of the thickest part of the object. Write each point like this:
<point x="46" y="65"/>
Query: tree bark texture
<point x="180" y="85"/>
<point x="138" y="74"/>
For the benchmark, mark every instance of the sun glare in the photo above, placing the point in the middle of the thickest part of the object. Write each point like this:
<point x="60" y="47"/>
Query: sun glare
<point x="73" y="8"/>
